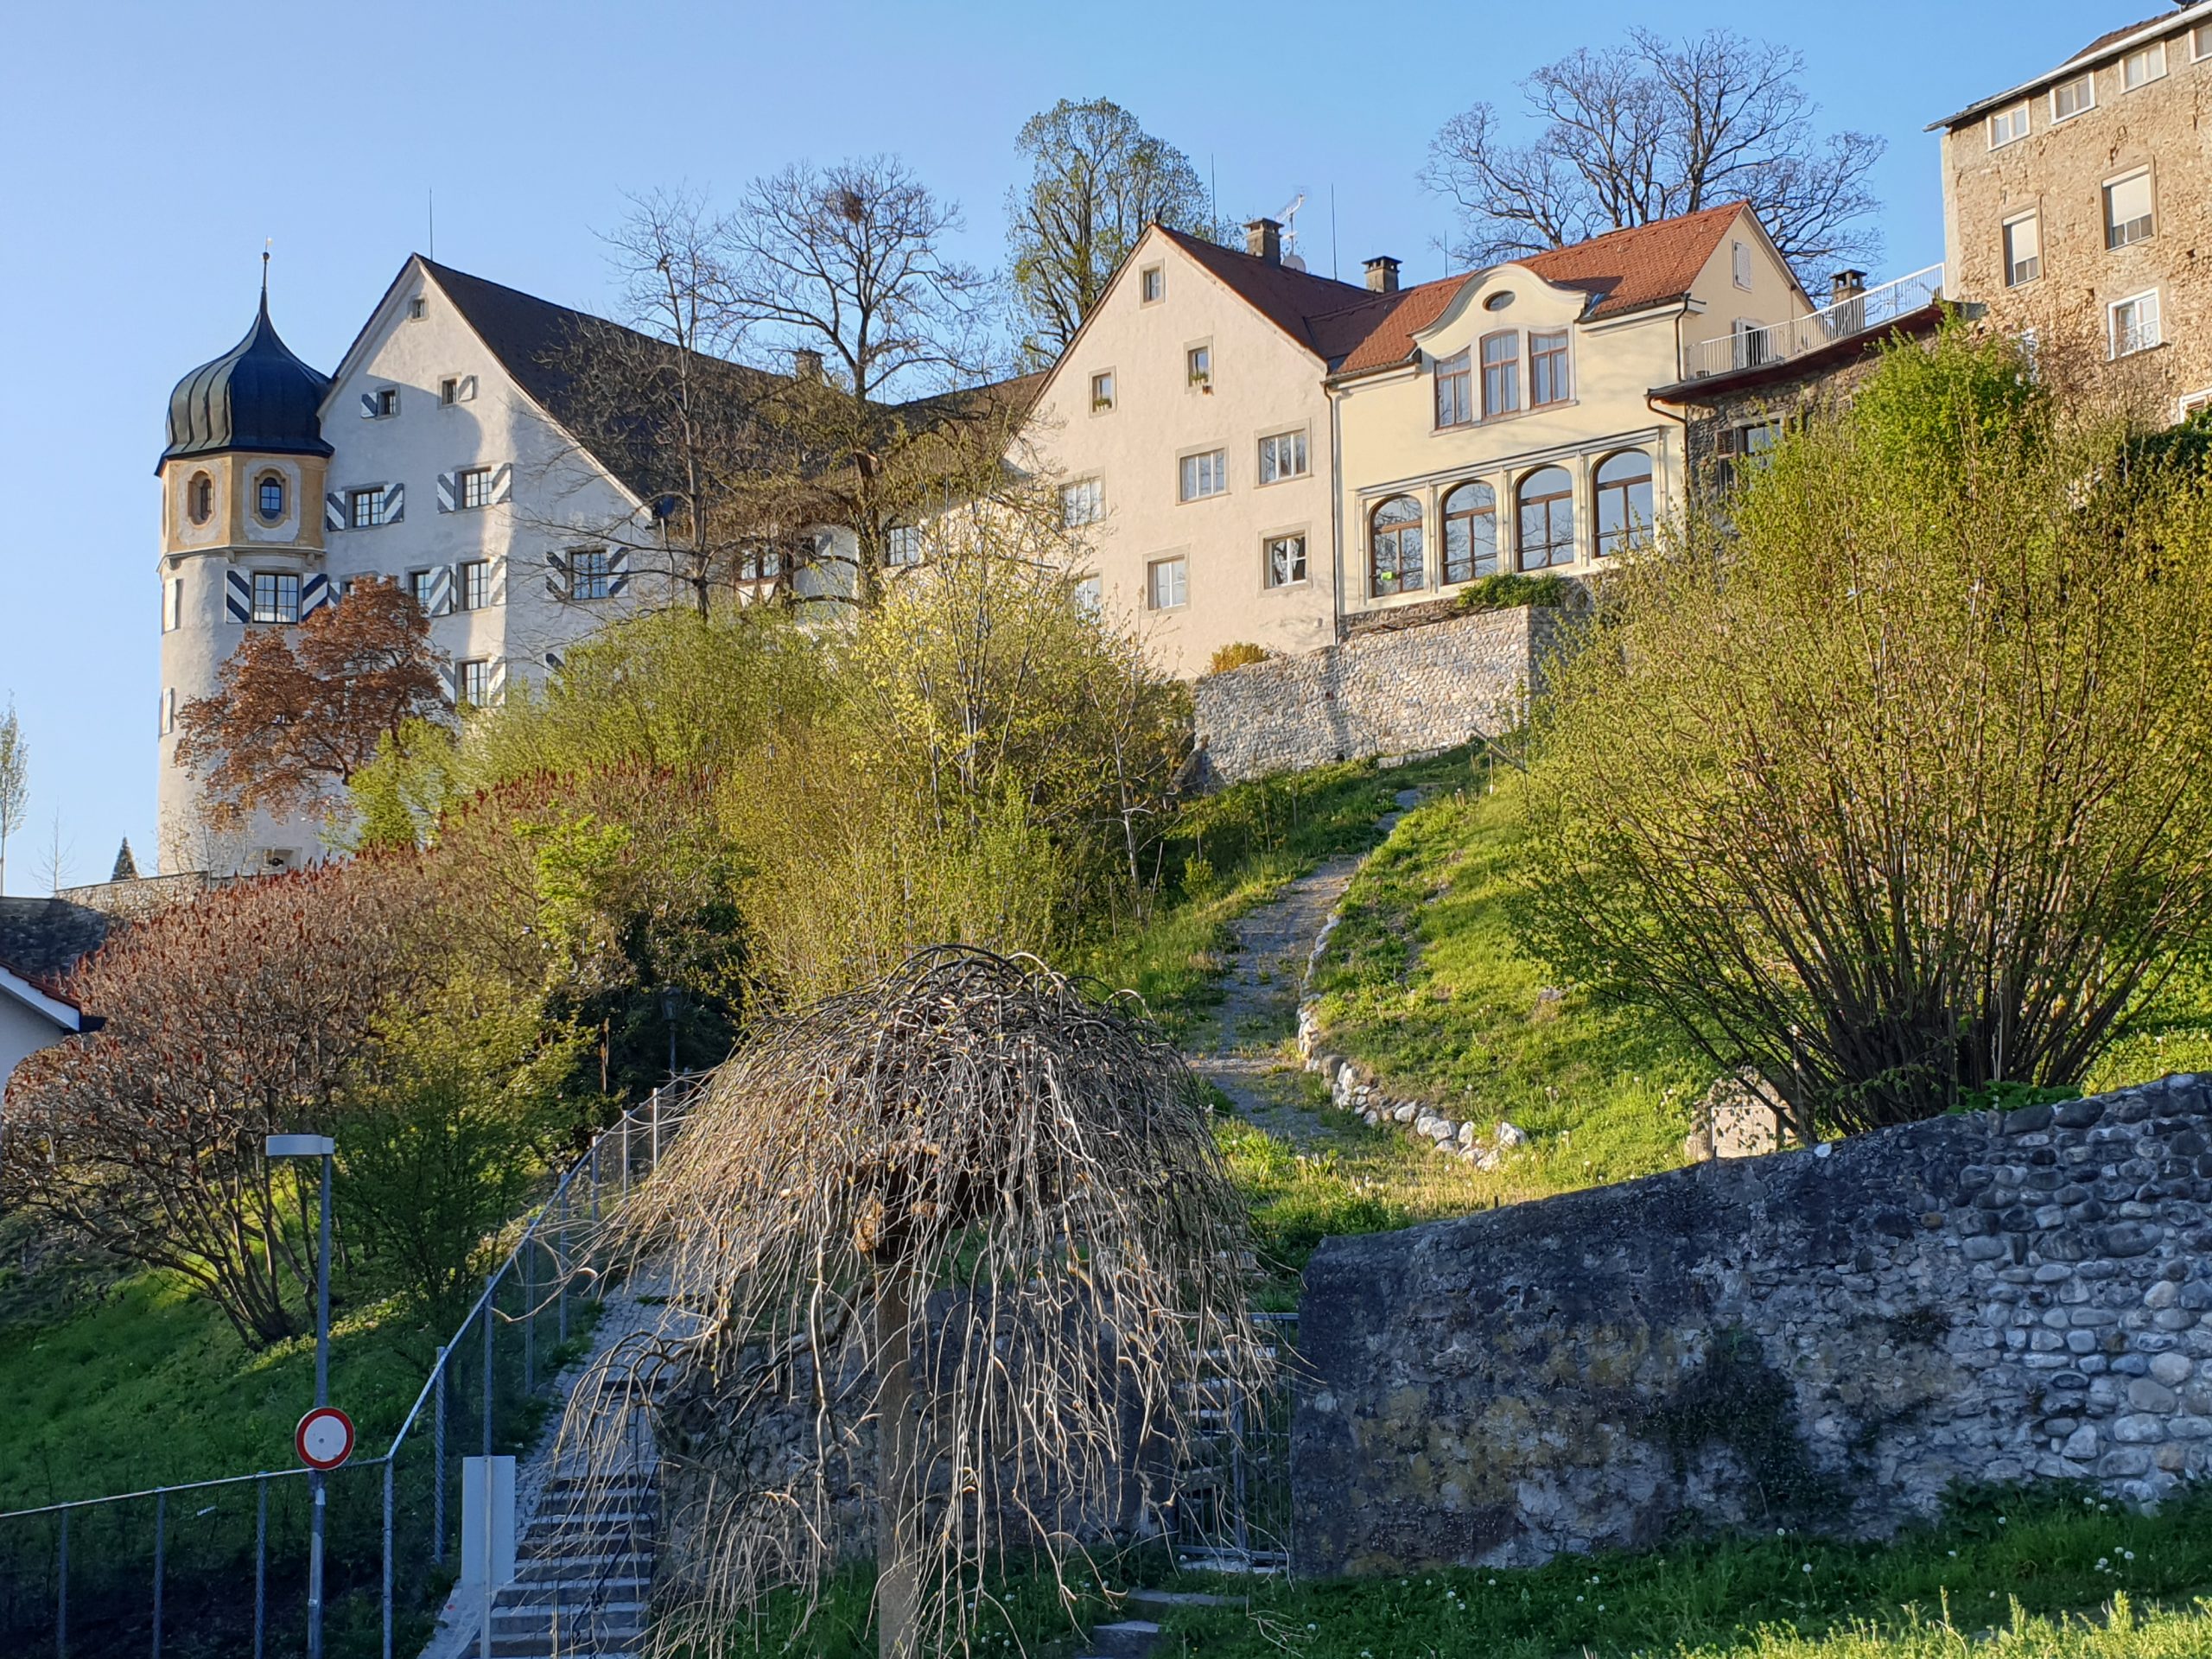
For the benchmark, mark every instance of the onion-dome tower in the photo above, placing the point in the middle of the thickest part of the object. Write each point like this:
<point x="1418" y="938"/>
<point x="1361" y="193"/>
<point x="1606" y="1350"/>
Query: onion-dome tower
<point x="242" y="480"/>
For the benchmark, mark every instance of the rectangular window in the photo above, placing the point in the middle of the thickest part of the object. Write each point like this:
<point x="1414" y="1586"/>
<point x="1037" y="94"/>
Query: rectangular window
<point x="449" y="390"/>
<point x="472" y="588"/>
<point x="904" y="546"/>
<point x="1152" y="284"/>
<point x="2140" y="68"/>
<point x="2200" y="43"/>
<point x="172" y="604"/>
<point x="1740" y="258"/>
<point x="1167" y="584"/>
<point x="474" y="683"/>
<point x="380" y="403"/>
<point x="1204" y="475"/>
<point x="1546" y="369"/>
<point x="2135" y="325"/>
<point x="276" y="597"/>
<point x="1286" y="561"/>
<point x="1089" y="598"/>
<point x="1282" y="456"/>
<point x="1501" y="375"/>
<point x="2022" y="250"/>
<point x="759" y="562"/>
<point x="2072" y="98"/>
<point x="2009" y="126"/>
<point x="169" y="711"/>
<point x="476" y="488"/>
<point x="1083" y="502"/>
<point x="1102" y="391"/>
<point x="591" y="574"/>
<point x="2127" y="210"/>
<point x="1455" y="391"/>
<point x="365" y="508"/>
<point x="418" y="587"/>
<point x="1739" y="448"/>
<point x="1197" y="363"/>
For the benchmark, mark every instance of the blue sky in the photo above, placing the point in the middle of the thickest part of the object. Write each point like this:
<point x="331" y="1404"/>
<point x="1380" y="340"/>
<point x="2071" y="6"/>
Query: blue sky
<point x="147" y="149"/>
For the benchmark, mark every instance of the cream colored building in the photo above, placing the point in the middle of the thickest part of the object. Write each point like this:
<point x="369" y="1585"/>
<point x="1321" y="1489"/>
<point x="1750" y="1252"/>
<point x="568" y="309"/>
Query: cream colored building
<point x="2077" y="209"/>
<point x="1259" y="456"/>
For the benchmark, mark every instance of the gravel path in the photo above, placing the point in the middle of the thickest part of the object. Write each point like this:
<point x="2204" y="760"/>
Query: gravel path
<point x="1248" y="1057"/>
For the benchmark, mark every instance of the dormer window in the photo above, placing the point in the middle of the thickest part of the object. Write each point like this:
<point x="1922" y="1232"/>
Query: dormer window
<point x="269" y="498"/>
<point x="199" y="499"/>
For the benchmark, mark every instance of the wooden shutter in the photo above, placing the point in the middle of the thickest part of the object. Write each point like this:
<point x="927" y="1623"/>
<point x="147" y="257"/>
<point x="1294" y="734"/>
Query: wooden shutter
<point x="557" y="583"/>
<point x="445" y="680"/>
<point x="503" y="483"/>
<point x="440" y="602"/>
<point x="446" y="498"/>
<point x="495" y="581"/>
<point x="315" y="592"/>
<point x="394" y="503"/>
<point x="368" y="406"/>
<point x="333" y="511"/>
<point x="496" y="686"/>
<point x="237" y="595"/>
<point x="617" y="572"/>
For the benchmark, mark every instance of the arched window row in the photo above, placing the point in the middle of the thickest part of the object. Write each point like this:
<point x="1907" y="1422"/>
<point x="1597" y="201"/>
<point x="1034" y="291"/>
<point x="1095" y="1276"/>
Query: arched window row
<point x="1544" y="506"/>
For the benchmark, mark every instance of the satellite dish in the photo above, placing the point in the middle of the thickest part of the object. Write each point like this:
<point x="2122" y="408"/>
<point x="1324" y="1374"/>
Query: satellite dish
<point x="1293" y="262"/>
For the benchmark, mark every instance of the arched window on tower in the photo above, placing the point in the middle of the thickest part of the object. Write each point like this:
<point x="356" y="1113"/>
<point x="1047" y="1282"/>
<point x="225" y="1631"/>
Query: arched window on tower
<point x="271" y="497"/>
<point x="199" y="499"/>
<point x="1623" y="501"/>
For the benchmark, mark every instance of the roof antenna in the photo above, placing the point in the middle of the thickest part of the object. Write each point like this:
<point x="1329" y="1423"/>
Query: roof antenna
<point x="1332" y="234"/>
<point x="433" y="222"/>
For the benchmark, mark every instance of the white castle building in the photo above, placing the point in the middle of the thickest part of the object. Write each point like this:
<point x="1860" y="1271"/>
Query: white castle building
<point x="434" y="455"/>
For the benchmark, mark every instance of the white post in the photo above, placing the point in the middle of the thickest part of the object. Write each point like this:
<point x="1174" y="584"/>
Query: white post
<point x="487" y="1533"/>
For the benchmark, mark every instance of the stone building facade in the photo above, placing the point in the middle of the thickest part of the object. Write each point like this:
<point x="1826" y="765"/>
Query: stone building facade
<point x="1829" y="1337"/>
<point x="2075" y="209"/>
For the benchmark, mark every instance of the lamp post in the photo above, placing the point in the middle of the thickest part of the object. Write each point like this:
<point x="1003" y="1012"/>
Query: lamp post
<point x="315" y="1146"/>
<point x="671" y="1003"/>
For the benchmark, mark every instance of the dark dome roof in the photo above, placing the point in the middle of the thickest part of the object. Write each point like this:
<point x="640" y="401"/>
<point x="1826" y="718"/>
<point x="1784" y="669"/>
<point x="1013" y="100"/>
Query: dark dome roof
<point x="257" y="395"/>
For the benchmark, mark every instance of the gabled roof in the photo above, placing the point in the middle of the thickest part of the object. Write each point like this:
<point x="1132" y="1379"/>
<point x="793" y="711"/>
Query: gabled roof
<point x="1289" y="298"/>
<point x="42" y="998"/>
<point x="46" y="939"/>
<point x="2107" y="46"/>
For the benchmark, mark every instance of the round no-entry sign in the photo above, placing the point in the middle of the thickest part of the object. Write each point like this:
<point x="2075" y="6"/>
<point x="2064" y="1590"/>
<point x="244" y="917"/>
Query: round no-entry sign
<point x="325" y="1438"/>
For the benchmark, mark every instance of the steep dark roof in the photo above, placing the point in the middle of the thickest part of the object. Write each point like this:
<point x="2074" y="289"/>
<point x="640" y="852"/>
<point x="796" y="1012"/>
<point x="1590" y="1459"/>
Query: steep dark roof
<point x="46" y="939"/>
<point x="1289" y="298"/>
<point x="257" y="395"/>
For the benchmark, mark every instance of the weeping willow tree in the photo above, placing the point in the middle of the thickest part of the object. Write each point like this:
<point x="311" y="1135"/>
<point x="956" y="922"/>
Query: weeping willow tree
<point x="953" y="1265"/>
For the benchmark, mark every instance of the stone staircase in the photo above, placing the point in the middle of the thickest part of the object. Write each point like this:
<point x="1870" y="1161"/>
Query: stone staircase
<point x="583" y="1572"/>
<point x="1136" y="1637"/>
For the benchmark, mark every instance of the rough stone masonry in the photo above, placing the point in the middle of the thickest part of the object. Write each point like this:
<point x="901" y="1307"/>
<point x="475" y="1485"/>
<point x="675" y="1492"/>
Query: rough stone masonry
<point x="1827" y="1338"/>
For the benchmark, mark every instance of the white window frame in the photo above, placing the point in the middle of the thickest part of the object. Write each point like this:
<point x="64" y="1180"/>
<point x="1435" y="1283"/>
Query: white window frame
<point x="2016" y="124"/>
<point x="1271" y="456"/>
<point x="1089" y="596"/>
<point x="2157" y="324"/>
<point x="474" y="668"/>
<point x="1103" y="405"/>
<point x="1198" y="365"/>
<point x="277" y="579"/>
<point x="1267" y="545"/>
<point x="2188" y="402"/>
<point x="1740" y="265"/>
<point x="472" y="585"/>
<point x="1185" y="477"/>
<point x="1180" y="564"/>
<point x="1082" y="501"/>
<point x="172" y="604"/>
<point x="2087" y="79"/>
<point x="2200" y="43"/>
<point x="2105" y="207"/>
<point x="474" y="481"/>
<point x="1151" y="285"/>
<point x="902" y="546"/>
<point x="2033" y="217"/>
<point x="2153" y="59"/>
<point x="169" y="710"/>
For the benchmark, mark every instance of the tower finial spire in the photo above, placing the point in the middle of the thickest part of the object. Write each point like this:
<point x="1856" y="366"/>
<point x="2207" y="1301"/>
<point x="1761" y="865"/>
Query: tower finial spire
<point x="266" y="242"/>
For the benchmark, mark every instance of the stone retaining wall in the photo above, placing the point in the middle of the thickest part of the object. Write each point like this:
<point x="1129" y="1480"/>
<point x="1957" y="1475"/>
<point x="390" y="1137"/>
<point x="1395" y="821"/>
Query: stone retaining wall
<point x="1826" y="1338"/>
<point x="1420" y="687"/>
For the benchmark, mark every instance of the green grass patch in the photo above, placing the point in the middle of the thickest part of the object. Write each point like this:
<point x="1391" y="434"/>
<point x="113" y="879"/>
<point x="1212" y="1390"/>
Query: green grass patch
<point x="1425" y="982"/>
<point x="1232" y="851"/>
<point x="1997" y="1575"/>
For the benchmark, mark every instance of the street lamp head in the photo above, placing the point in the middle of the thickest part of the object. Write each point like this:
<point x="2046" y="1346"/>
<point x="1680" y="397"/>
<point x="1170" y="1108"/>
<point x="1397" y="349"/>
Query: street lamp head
<point x="300" y="1146"/>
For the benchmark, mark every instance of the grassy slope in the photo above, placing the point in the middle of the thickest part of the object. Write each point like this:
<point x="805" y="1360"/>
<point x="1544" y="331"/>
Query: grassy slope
<point x="1424" y="983"/>
<point x="2051" y="1553"/>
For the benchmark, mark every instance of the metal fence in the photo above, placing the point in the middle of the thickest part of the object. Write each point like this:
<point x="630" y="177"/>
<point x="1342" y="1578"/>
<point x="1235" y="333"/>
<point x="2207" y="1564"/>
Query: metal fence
<point x="1230" y="1511"/>
<point x="220" y="1567"/>
<point x="1851" y="314"/>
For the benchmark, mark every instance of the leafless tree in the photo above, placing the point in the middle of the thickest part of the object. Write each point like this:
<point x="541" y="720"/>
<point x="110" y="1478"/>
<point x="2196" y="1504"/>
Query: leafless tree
<point x="845" y="273"/>
<point x="1651" y="130"/>
<point x="14" y="784"/>
<point x="659" y="399"/>
<point x="960" y="1245"/>
<point x="1097" y="180"/>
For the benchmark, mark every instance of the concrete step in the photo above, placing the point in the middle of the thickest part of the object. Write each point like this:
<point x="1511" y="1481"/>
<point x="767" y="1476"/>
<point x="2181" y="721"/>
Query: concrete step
<point x="1126" y="1638"/>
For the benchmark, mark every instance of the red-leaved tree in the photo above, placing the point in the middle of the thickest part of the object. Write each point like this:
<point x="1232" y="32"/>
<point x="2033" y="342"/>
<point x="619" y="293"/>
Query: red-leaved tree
<point x="294" y="719"/>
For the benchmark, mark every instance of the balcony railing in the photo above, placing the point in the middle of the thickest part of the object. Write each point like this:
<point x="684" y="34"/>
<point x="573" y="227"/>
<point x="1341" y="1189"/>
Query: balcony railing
<point x="1753" y="348"/>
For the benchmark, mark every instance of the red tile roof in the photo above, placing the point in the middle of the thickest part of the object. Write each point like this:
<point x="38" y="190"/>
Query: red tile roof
<point x="1353" y="330"/>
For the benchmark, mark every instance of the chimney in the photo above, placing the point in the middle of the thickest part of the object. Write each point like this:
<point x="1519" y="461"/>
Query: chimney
<point x="1846" y="285"/>
<point x="806" y="363"/>
<point x="1382" y="274"/>
<point x="1263" y="239"/>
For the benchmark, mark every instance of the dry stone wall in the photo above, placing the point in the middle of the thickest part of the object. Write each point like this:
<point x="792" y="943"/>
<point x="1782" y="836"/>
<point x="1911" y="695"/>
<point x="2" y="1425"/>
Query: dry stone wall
<point x="1828" y="1338"/>
<point x="1377" y="693"/>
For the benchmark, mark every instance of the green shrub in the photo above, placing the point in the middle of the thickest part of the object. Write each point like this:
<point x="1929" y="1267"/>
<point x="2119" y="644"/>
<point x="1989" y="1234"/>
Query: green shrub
<point x="1509" y="591"/>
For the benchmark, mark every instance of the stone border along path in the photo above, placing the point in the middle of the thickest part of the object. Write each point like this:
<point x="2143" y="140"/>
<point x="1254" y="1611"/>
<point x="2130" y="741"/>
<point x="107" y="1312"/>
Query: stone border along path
<point x="1266" y="999"/>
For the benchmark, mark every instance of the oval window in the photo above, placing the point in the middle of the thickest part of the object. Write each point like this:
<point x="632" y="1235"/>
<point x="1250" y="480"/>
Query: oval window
<point x="1498" y="301"/>
<point x="199" y="499"/>
<point x="272" y="498"/>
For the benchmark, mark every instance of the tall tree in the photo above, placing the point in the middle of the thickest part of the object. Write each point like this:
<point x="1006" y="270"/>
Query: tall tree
<point x="846" y="272"/>
<point x="291" y="722"/>
<point x="14" y="784"/>
<point x="1651" y="130"/>
<point x="1096" y="178"/>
